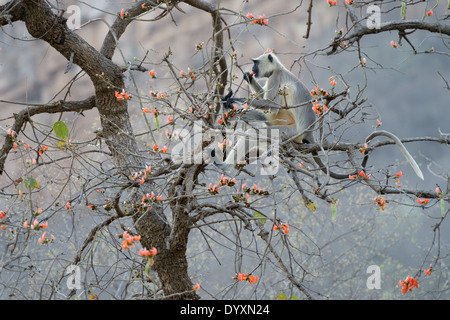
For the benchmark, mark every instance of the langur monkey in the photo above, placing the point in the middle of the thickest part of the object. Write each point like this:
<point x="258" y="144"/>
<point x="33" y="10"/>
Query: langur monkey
<point x="285" y="89"/>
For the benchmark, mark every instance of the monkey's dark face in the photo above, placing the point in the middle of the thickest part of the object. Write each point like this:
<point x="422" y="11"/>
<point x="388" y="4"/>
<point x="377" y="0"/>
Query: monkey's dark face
<point x="263" y="66"/>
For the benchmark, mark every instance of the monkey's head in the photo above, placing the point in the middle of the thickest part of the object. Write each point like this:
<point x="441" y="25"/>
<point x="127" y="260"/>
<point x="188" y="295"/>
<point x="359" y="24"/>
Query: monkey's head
<point x="265" y="65"/>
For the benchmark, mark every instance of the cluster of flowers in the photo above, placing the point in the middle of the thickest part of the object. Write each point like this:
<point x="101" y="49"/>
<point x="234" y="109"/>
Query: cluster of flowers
<point x="225" y="118"/>
<point x="283" y="227"/>
<point x="150" y="254"/>
<point x="147" y="201"/>
<point x="35" y="225"/>
<point x="44" y="240"/>
<point x="259" y="20"/>
<point x="202" y="111"/>
<point x="156" y="148"/>
<point x="361" y="175"/>
<point x="423" y="201"/>
<point x="190" y="74"/>
<point x="16" y="142"/>
<point x="123" y="95"/>
<point x="213" y="189"/>
<point x="397" y="177"/>
<point x="254" y="190"/>
<point x="3" y="216"/>
<point x="246" y="192"/>
<point x="38" y="226"/>
<point x="142" y="175"/>
<point x="408" y="284"/>
<point x="129" y="239"/>
<point x="318" y="94"/>
<point x="319" y="108"/>
<point x="157" y="95"/>
<point x="224" y="181"/>
<point x="381" y="202"/>
<point x="246" y="277"/>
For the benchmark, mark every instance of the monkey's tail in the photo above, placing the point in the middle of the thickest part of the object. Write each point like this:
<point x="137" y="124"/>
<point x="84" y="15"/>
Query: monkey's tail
<point x="401" y="146"/>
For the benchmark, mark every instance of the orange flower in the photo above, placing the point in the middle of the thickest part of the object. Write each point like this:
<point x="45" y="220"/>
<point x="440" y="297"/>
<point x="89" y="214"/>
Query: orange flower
<point x="146" y="110"/>
<point x="332" y="81"/>
<point x="260" y="20"/>
<point x="68" y="205"/>
<point x="246" y="277"/>
<point x="332" y="3"/>
<point x="122" y="96"/>
<point x="196" y="287"/>
<point x="380" y="202"/>
<point x="424" y="201"/>
<point x="242" y="277"/>
<point x="394" y="45"/>
<point x="430" y="13"/>
<point x="428" y="271"/>
<point x="398" y="174"/>
<point x="144" y="252"/>
<point x="152" y="73"/>
<point x="348" y="2"/>
<point x="252" y="279"/>
<point x="408" y="284"/>
<point x="2" y="215"/>
<point x="213" y="189"/>
<point x="284" y="227"/>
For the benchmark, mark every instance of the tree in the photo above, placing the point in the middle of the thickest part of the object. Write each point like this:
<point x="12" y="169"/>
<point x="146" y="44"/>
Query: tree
<point x="124" y="178"/>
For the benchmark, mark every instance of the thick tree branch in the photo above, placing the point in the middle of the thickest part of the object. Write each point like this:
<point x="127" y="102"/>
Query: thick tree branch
<point x="217" y="46"/>
<point x="360" y="30"/>
<point x="25" y="115"/>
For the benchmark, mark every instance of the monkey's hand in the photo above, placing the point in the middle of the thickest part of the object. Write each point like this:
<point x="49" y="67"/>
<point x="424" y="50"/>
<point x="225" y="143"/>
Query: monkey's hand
<point x="228" y="100"/>
<point x="248" y="76"/>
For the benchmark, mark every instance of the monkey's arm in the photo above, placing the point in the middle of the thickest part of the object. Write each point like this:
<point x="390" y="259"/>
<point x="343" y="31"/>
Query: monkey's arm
<point x="254" y="84"/>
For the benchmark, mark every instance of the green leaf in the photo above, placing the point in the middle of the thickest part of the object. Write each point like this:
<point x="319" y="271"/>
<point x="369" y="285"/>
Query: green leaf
<point x="256" y="214"/>
<point x="403" y="13"/>
<point x="147" y="266"/>
<point x="442" y="207"/>
<point x="282" y="296"/>
<point x="333" y="211"/>
<point x="61" y="130"/>
<point x="31" y="183"/>
<point x="157" y="123"/>
<point x="294" y="297"/>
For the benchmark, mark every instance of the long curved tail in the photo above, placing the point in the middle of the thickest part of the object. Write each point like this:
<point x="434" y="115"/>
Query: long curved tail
<point x="402" y="148"/>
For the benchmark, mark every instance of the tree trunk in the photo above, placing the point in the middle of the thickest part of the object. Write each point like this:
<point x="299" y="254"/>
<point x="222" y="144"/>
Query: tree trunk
<point x="170" y="262"/>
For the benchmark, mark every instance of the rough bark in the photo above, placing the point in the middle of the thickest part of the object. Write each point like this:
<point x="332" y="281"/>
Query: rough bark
<point x="117" y="132"/>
